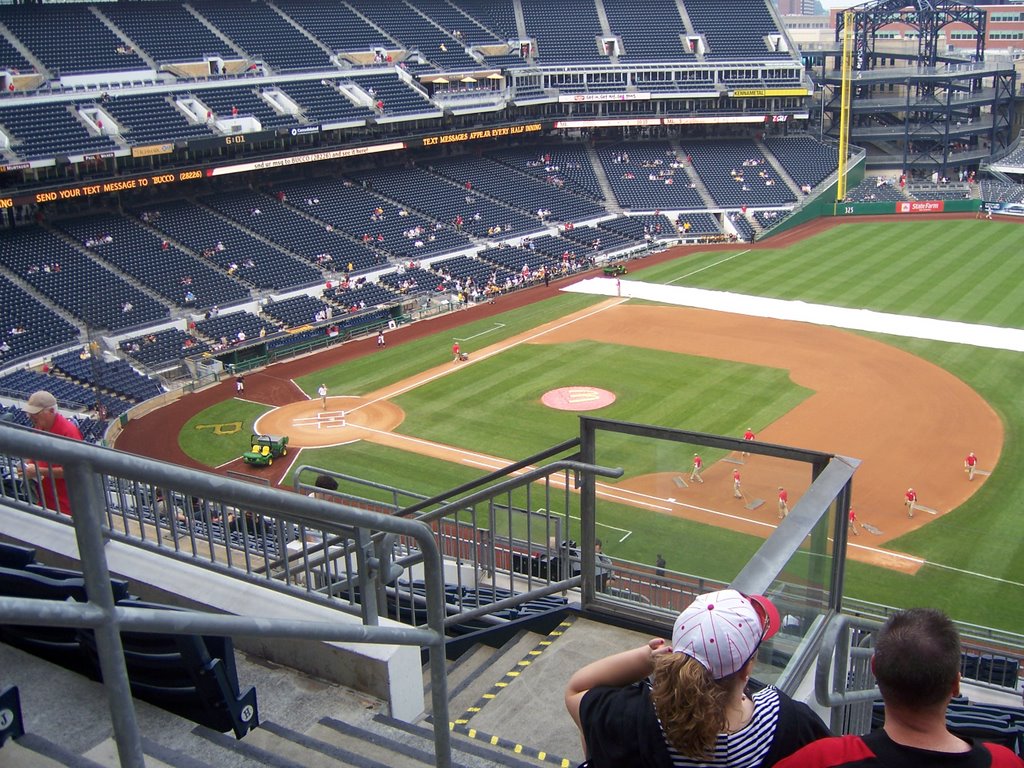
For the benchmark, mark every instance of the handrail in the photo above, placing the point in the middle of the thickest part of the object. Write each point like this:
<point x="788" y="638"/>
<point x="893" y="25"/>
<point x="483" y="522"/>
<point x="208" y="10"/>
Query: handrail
<point x="84" y="464"/>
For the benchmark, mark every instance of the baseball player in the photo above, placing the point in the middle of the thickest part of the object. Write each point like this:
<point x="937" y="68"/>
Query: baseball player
<point x="853" y="523"/>
<point x="970" y="462"/>
<point x="749" y="436"/>
<point x="783" y="502"/>
<point x="698" y="466"/>
<point x="736" y="492"/>
<point x="911" y="501"/>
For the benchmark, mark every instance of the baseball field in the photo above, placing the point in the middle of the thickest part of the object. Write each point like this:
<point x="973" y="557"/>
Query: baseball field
<point x="908" y="407"/>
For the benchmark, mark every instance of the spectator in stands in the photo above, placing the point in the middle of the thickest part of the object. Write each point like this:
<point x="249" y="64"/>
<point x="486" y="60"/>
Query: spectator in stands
<point x="48" y="479"/>
<point x="917" y="666"/>
<point x="663" y="703"/>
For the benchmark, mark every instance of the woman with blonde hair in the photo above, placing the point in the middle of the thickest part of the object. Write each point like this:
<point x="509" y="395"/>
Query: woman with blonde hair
<point x="686" y="703"/>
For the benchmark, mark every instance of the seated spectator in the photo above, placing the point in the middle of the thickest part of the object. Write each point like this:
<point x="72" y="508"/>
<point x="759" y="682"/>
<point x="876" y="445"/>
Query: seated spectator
<point x="917" y="666"/>
<point x="654" y="704"/>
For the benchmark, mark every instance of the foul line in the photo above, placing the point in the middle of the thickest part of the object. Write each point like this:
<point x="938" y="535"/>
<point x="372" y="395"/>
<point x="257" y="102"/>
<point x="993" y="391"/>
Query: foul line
<point x="510" y="345"/>
<point x="709" y="266"/>
<point x="482" y="333"/>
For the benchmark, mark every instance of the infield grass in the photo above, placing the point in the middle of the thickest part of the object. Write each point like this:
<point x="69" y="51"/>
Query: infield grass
<point x="964" y="270"/>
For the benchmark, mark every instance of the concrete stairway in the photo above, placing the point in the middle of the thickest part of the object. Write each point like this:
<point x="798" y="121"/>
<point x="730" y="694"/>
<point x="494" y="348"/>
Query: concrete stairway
<point x="505" y="704"/>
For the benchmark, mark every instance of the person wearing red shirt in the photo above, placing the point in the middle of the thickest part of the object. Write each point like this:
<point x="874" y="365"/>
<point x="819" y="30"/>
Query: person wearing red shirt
<point x="49" y="478"/>
<point x="455" y="352"/>
<point x="783" y="502"/>
<point x="911" y="501"/>
<point x="698" y="466"/>
<point x="917" y="667"/>
<point x="749" y="436"/>
<point x="736" y="492"/>
<point x="853" y="522"/>
<point x="970" y="462"/>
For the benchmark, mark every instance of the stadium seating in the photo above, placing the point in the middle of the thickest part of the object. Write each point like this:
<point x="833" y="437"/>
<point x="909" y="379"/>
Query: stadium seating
<point x="642" y="177"/>
<point x="28" y="326"/>
<point x="116" y="377"/>
<point x="74" y="282"/>
<point x="298" y="311"/>
<point x="164" y="348"/>
<point x="233" y="250"/>
<point x="443" y="200"/>
<point x="70" y="39"/>
<point x="1001" y="192"/>
<point x="323" y="103"/>
<point x="366" y="295"/>
<point x="807" y="161"/>
<point x="397" y="97"/>
<point x="243" y="102"/>
<point x="739" y="34"/>
<point x="565" y="34"/>
<point x="150" y="118"/>
<point x="336" y="25"/>
<point x="139" y="252"/>
<point x="44" y="130"/>
<point x="566" y="167"/>
<point x="653" y="31"/>
<point x="264" y="35"/>
<point x="168" y="33"/>
<point x="225" y="329"/>
<point x="736" y="173"/>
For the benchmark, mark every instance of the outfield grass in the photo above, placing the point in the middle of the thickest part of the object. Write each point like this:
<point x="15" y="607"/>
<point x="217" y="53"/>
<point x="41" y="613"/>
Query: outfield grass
<point x="965" y="270"/>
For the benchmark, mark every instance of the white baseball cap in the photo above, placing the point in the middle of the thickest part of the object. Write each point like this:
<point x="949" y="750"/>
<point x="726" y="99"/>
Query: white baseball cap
<point x="722" y="630"/>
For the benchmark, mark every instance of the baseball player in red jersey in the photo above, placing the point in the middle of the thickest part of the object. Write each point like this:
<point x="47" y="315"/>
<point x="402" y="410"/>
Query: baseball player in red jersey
<point x="736" y="492"/>
<point x="970" y="462"/>
<point x="911" y="500"/>
<point x="698" y="467"/>
<point x="749" y="436"/>
<point x="783" y="502"/>
<point x="853" y="522"/>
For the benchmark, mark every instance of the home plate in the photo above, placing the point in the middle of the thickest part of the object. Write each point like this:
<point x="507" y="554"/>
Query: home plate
<point x="680" y="482"/>
<point x="755" y="503"/>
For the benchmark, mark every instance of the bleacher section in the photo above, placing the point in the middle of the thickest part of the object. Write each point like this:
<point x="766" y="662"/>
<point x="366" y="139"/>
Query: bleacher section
<point x="565" y="167"/>
<point x="567" y="33"/>
<point x="653" y="31"/>
<point x="750" y="179"/>
<point x="336" y="25"/>
<point x="141" y="254"/>
<point x="73" y="281"/>
<point x="157" y="350"/>
<point x="738" y="34"/>
<point x="480" y="175"/>
<point x="874" y="189"/>
<point x="313" y="239"/>
<point x="190" y="40"/>
<point x="27" y="326"/>
<point x="366" y="295"/>
<point x="70" y="39"/>
<point x="116" y="377"/>
<point x="397" y="97"/>
<point x="298" y="311"/>
<point x="44" y="130"/>
<point x="353" y="210"/>
<point x="263" y="34"/>
<point x="323" y="103"/>
<point x="807" y="161"/>
<point x="243" y="102"/>
<point x="642" y="176"/>
<point x="235" y="328"/>
<point x="238" y="253"/>
<point x="1001" y="192"/>
<point x="150" y="118"/>
<point x="22" y="383"/>
<point x="415" y="32"/>
<point x="445" y="201"/>
<point x="638" y="228"/>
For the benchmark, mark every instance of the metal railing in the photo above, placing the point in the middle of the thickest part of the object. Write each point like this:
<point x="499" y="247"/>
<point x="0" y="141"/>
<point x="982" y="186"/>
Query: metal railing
<point x="92" y="471"/>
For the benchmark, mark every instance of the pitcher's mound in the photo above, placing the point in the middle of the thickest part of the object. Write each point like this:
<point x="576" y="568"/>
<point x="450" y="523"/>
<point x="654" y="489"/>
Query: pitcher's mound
<point x="346" y="419"/>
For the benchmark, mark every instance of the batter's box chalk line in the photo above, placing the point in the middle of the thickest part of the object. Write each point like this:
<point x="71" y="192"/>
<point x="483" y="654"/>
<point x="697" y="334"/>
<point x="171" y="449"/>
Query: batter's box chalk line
<point x="755" y="503"/>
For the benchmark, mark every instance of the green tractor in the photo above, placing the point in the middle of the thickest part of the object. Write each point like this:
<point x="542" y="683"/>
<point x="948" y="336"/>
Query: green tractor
<point x="263" y="449"/>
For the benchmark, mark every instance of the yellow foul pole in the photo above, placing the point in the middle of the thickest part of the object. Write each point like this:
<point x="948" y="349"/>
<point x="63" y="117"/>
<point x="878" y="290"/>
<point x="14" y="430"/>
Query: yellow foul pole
<point x="844" y="111"/>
